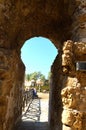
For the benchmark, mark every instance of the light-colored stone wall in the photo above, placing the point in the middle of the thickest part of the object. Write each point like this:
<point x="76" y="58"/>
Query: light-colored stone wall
<point x="74" y="87"/>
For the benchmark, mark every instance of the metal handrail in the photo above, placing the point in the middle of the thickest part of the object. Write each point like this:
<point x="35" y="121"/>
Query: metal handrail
<point x="27" y="98"/>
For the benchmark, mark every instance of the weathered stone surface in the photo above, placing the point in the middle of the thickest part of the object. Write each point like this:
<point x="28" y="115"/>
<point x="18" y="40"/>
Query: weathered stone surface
<point x="79" y="21"/>
<point x="67" y="57"/>
<point x="68" y="117"/>
<point x="67" y="128"/>
<point x="11" y="88"/>
<point x="74" y="89"/>
<point x="59" y="21"/>
<point x="80" y="48"/>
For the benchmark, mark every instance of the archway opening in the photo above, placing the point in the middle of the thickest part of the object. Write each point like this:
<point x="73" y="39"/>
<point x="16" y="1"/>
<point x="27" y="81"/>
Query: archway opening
<point x="38" y="55"/>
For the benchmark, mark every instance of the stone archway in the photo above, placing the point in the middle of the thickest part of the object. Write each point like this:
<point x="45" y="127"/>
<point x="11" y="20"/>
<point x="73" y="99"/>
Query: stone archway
<point x="20" y="20"/>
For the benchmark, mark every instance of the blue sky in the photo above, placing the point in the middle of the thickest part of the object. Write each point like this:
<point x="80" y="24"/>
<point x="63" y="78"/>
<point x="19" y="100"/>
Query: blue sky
<point x="38" y="54"/>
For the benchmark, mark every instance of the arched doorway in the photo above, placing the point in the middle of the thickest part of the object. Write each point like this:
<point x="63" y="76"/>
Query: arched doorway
<point x="14" y="76"/>
<point x="21" y="20"/>
<point x="43" y="55"/>
<point x="39" y="51"/>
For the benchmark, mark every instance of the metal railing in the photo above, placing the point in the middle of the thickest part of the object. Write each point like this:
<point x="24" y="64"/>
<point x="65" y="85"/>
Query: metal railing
<point x="27" y="98"/>
<point x="31" y="106"/>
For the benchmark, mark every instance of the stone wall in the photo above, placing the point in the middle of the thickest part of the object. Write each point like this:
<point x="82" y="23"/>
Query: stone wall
<point x="55" y="103"/>
<point x="79" y="21"/>
<point x="11" y="78"/>
<point x="74" y="87"/>
<point x="68" y="89"/>
<point x="59" y="20"/>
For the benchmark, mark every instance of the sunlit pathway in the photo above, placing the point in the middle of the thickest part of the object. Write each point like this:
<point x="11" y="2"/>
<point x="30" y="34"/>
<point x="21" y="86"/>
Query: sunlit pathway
<point x="36" y="116"/>
<point x="44" y="110"/>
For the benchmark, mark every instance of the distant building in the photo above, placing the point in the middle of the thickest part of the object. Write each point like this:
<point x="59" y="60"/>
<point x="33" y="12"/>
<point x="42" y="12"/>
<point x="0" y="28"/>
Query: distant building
<point x="39" y="82"/>
<point x="29" y="83"/>
<point x="33" y="82"/>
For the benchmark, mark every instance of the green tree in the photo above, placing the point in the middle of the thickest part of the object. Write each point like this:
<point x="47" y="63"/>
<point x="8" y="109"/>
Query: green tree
<point x="42" y="78"/>
<point x="27" y="77"/>
<point x="35" y="76"/>
<point x="49" y="75"/>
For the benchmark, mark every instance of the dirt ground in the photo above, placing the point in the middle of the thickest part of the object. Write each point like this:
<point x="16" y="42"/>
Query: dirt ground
<point x="43" y="95"/>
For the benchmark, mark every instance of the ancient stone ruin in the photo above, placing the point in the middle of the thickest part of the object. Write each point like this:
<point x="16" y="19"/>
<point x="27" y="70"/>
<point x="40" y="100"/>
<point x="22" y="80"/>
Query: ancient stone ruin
<point x="64" y="23"/>
<point x="74" y="87"/>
